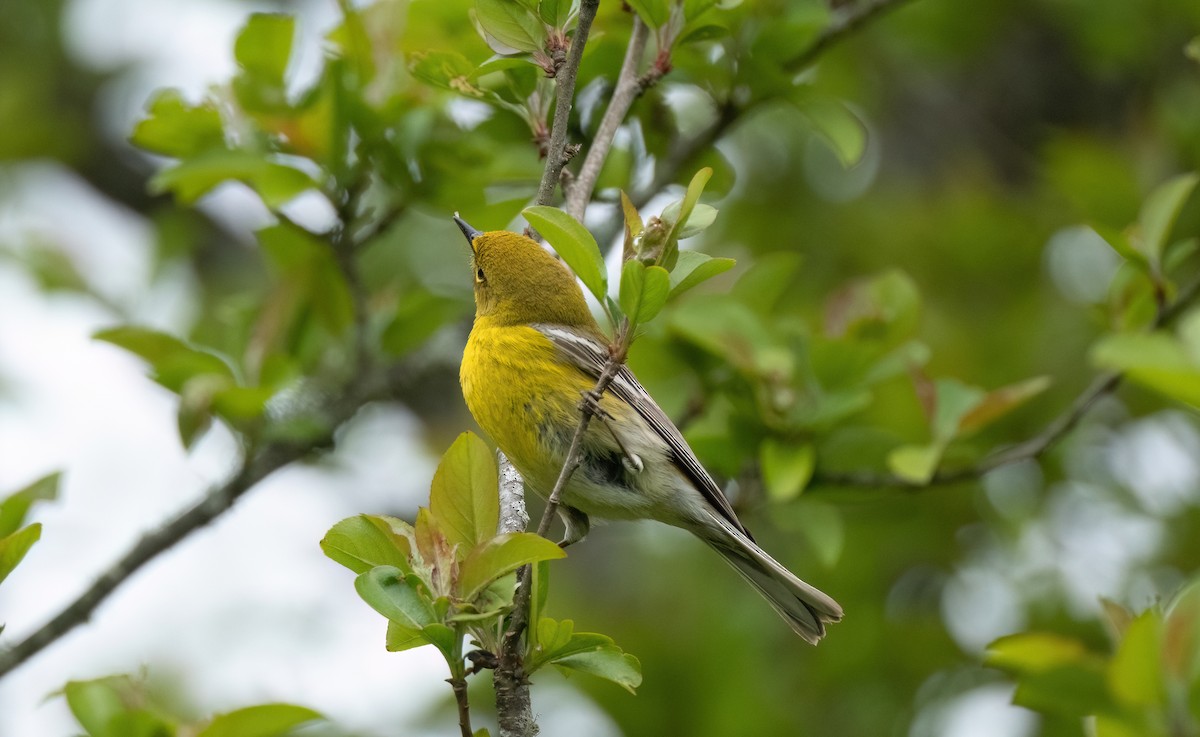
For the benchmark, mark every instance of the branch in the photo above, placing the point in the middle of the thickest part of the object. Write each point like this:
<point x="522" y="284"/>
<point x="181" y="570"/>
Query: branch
<point x="254" y="469"/>
<point x="556" y="153"/>
<point x="857" y="18"/>
<point x="627" y="89"/>
<point x="1102" y="386"/>
<point x="513" y="517"/>
<point x="841" y="28"/>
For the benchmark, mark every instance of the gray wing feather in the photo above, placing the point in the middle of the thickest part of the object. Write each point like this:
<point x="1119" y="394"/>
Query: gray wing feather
<point x="590" y="355"/>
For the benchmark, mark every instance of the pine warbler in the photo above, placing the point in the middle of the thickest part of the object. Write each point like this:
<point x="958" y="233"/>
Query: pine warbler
<point x="533" y="351"/>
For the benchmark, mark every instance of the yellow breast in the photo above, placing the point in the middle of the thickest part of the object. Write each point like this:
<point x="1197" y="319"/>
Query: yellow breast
<point x="522" y="395"/>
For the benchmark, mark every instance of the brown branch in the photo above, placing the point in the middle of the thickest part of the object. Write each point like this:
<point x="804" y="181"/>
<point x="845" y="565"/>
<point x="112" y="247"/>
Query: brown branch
<point x="257" y="466"/>
<point x="514" y="709"/>
<point x="259" y="463"/>
<point x="556" y="153"/>
<point x="459" y="686"/>
<point x="627" y="89"/>
<point x="1102" y="386"/>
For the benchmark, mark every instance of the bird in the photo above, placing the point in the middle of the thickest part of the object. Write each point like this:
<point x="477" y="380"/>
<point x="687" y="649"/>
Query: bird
<point x="533" y="351"/>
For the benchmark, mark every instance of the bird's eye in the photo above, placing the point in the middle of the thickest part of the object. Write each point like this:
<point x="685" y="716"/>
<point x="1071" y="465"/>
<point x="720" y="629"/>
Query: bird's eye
<point x="479" y="275"/>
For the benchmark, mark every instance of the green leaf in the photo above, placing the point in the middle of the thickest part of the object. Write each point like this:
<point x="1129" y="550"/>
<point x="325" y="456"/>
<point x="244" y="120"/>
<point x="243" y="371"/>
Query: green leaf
<point x="633" y="225"/>
<point x="953" y="400"/>
<point x="465" y="495"/>
<point x="174" y="362"/>
<point x="363" y="542"/>
<point x="786" y="467"/>
<point x="1034" y="652"/>
<point x="396" y="597"/>
<point x="574" y="244"/>
<point x="694" y="268"/>
<point x="140" y="723"/>
<point x="915" y="463"/>
<point x="95" y="704"/>
<point x="308" y="264"/>
<point x="1192" y="49"/>
<point x="1073" y="691"/>
<point x="501" y="555"/>
<point x="702" y="216"/>
<point x="679" y="222"/>
<point x="195" y="407"/>
<point x="884" y="309"/>
<point x="14" y="547"/>
<point x="839" y="127"/>
<point x="198" y="175"/>
<point x="401" y="638"/>
<point x="174" y="128"/>
<point x="1119" y="241"/>
<point x="264" y="720"/>
<point x="607" y="662"/>
<point x="1000" y="402"/>
<point x="510" y="23"/>
<point x="15" y="507"/>
<point x="1181" y="635"/>
<point x="644" y="290"/>
<point x="1160" y="211"/>
<point x="264" y="46"/>
<point x="446" y="69"/>
<point x="654" y="13"/>
<point x="555" y="13"/>
<point x="1135" y="673"/>
<point x="1156" y="360"/>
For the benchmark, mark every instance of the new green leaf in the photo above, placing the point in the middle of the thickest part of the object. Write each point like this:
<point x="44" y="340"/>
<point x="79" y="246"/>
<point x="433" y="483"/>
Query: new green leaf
<point x="15" y="507"/>
<point x="263" y="720"/>
<point x="465" y="493"/>
<point x="1160" y="211"/>
<point x="574" y="244"/>
<point x="644" y="290"/>
<point x="14" y="547"/>
<point x="389" y="592"/>
<point x="510" y="23"/>
<point x="363" y="542"/>
<point x="501" y="555"/>
<point x="694" y="268"/>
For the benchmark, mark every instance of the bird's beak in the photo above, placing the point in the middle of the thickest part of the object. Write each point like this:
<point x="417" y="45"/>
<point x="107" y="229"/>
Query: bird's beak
<point x="467" y="230"/>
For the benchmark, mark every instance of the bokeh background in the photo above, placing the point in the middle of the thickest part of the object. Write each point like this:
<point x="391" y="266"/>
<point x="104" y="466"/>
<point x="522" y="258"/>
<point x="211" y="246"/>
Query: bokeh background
<point x="994" y="129"/>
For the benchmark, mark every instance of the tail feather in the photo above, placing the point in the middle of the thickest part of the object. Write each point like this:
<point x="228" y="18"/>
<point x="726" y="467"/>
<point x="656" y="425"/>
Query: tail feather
<point x="805" y="608"/>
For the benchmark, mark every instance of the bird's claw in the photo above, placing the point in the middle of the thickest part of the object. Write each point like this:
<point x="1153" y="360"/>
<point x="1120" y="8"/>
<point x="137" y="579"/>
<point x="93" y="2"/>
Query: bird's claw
<point x="590" y="402"/>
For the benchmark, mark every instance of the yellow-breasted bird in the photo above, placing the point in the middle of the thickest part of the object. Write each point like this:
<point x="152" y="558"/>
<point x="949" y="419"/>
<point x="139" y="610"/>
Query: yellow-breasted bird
<point x="533" y="351"/>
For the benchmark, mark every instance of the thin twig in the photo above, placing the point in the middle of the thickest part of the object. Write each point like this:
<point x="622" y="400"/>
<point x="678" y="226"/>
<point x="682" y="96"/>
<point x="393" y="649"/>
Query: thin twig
<point x="514" y="709"/>
<point x="1102" y="386"/>
<point x="459" y="685"/>
<point x="627" y="89"/>
<point x="556" y="154"/>
<point x="854" y="19"/>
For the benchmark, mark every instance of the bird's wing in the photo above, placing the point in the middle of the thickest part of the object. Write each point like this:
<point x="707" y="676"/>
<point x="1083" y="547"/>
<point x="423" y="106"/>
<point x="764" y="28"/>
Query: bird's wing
<point x="591" y="355"/>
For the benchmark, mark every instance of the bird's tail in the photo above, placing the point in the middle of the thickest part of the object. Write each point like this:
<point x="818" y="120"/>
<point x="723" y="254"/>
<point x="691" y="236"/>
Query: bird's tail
<point x="805" y="608"/>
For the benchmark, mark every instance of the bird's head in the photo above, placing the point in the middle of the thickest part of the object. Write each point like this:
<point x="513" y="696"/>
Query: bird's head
<point x="517" y="282"/>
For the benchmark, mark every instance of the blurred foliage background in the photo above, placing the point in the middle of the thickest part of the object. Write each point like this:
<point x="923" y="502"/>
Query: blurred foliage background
<point x="939" y="203"/>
